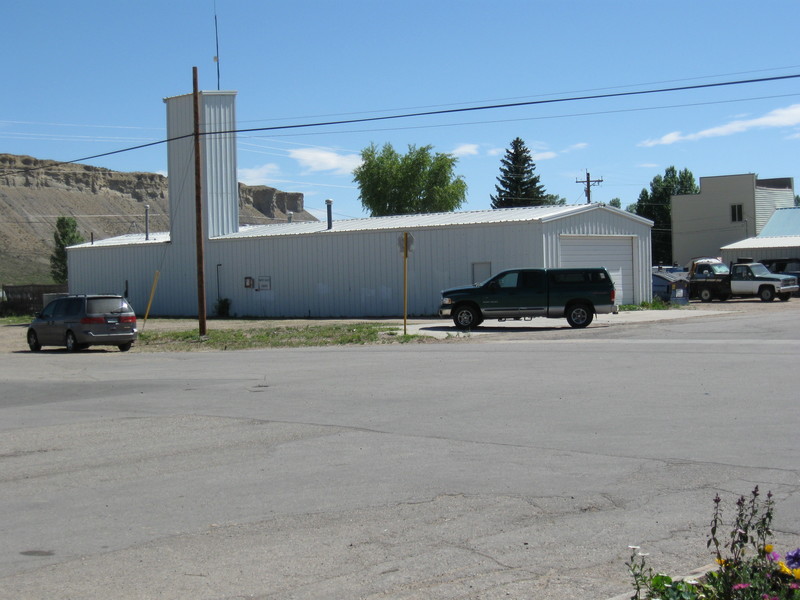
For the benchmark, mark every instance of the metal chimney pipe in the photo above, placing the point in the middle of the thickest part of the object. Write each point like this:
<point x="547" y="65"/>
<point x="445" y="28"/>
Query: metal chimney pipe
<point x="289" y="215"/>
<point x="329" y="205"/>
<point x="147" y="221"/>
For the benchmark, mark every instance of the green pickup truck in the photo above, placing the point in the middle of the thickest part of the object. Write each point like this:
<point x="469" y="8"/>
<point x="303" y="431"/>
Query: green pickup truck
<point x="577" y="294"/>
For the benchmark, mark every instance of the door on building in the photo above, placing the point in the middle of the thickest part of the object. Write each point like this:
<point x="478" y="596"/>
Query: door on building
<point x="615" y="253"/>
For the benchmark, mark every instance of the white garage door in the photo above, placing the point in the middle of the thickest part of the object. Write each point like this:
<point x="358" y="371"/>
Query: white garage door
<point x="613" y="253"/>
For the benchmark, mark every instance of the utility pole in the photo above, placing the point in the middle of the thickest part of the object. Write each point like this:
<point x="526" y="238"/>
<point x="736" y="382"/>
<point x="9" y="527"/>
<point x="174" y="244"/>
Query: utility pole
<point x="589" y="182"/>
<point x="198" y="203"/>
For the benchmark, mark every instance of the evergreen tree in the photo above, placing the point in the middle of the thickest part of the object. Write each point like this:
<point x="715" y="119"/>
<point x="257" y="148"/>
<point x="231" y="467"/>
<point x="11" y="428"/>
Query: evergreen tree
<point x="517" y="184"/>
<point x="66" y="234"/>
<point x="656" y="205"/>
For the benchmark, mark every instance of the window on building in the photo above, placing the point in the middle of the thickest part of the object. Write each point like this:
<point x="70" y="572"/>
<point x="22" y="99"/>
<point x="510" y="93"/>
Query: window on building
<point x="736" y="213"/>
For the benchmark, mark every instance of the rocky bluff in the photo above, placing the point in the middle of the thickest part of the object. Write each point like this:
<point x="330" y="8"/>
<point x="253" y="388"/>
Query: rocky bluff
<point x="105" y="203"/>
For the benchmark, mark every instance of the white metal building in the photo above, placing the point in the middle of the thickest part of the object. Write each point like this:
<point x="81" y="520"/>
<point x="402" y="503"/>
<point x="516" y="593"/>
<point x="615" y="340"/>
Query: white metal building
<point x="346" y="268"/>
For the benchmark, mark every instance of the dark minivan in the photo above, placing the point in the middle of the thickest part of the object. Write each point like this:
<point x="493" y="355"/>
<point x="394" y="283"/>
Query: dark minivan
<point x="77" y="322"/>
<point x="577" y="294"/>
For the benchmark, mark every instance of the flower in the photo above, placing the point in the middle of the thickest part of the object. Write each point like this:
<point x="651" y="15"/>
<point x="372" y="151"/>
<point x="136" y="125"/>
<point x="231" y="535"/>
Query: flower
<point x="793" y="559"/>
<point x="741" y="586"/>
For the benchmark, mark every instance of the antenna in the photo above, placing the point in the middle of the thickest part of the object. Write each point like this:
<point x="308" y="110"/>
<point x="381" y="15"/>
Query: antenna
<point x="216" y="37"/>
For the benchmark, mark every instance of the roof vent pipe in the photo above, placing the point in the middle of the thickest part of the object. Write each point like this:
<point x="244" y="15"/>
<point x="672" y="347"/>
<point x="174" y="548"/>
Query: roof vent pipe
<point x="289" y="216"/>
<point x="147" y="221"/>
<point x="329" y="205"/>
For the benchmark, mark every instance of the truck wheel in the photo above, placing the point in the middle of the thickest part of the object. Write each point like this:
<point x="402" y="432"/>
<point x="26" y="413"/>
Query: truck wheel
<point x="466" y="317"/>
<point x="579" y="315"/>
<point x="705" y="295"/>
<point x="766" y="293"/>
<point x="784" y="297"/>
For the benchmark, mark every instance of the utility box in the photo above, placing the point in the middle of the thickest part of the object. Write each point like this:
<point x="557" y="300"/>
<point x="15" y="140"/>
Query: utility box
<point x="679" y="292"/>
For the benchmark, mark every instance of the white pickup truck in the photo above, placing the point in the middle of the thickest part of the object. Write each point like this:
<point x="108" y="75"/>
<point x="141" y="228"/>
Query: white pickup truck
<point x="709" y="279"/>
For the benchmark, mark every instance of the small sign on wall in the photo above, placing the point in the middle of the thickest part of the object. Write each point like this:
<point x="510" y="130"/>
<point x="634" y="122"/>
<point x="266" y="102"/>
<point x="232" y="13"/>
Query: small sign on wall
<point x="264" y="283"/>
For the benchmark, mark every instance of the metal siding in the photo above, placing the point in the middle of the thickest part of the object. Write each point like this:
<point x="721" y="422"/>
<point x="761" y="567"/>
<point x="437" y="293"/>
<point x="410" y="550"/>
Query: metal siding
<point x="220" y="186"/>
<point x="767" y="200"/>
<point x="606" y="223"/>
<point x="342" y="274"/>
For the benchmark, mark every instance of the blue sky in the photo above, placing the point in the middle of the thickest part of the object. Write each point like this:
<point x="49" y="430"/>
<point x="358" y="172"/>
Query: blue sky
<point x="87" y="77"/>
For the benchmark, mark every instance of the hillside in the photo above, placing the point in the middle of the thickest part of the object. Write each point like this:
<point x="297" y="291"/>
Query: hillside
<point x="105" y="203"/>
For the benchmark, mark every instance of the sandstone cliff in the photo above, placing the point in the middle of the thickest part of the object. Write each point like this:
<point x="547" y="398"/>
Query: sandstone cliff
<point x="105" y="203"/>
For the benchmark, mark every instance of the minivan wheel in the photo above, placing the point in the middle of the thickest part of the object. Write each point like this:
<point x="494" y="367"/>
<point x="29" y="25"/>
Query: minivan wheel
<point x="466" y="317"/>
<point x="33" y="341"/>
<point x="124" y="347"/>
<point x="579" y="315"/>
<point x="70" y="342"/>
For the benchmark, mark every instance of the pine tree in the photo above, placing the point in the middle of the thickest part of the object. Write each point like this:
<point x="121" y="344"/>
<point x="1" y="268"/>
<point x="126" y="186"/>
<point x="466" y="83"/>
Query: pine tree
<point x="66" y="234"/>
<point x="517" y="184"/>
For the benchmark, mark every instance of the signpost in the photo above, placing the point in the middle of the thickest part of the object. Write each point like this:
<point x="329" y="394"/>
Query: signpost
<point x="406" y="243"/>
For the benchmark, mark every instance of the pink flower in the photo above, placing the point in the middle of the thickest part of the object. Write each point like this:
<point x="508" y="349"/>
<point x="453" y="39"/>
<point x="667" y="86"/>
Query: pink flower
<point x="741" y="586"/>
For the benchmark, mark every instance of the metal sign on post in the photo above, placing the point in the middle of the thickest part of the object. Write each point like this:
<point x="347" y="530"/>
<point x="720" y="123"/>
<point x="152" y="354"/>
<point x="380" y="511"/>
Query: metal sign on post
<point x="406" y="243"/>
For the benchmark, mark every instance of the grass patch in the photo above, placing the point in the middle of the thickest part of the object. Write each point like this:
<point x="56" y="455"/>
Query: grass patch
<point x="275" y="337"/>
<point x="16" y="320"/>
<point x="656" y="304"/>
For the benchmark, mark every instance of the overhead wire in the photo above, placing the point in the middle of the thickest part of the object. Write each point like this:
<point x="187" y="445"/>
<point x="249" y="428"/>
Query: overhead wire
<point x="419" y="114"/>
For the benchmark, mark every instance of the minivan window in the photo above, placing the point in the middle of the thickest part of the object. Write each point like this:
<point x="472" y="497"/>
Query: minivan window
<point x="107" y="305"/>
<point x="74" y="307"/>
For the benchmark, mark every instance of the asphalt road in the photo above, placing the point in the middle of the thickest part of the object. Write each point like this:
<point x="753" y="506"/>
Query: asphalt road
<point x="516" y="465"/>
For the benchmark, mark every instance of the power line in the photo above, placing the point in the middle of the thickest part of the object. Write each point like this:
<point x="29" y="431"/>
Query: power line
<point x="435" y="113"/>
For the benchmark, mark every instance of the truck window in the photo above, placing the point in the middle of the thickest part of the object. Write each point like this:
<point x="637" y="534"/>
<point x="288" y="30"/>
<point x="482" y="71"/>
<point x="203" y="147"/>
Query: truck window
<point x="508" y="280"/>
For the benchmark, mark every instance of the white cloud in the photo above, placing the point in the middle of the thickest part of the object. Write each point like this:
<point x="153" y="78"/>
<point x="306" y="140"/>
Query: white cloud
<point x="495" y="151"/>
<point x="780" y="117"/>
<point x="578" y="146"/>
<point x="317" y="159"/>
<point x="466" y="150"/>
<point x="647" y="166"/>
<point x="543" y="155"/>
<point x="259" y="175"/>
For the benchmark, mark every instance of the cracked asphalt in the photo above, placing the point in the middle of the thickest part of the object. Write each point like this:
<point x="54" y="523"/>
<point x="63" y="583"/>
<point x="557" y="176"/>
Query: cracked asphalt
<point x="518" y="464"/>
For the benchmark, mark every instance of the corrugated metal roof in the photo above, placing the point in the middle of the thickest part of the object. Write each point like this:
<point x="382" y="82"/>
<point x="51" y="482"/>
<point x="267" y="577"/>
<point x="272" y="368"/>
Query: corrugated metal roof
<point x="445" y="219"/>
<point x="128" y="239"/>
<point x="786" y="241"/>
<point x="783" y="222"/>
<point x="397" y="222"/>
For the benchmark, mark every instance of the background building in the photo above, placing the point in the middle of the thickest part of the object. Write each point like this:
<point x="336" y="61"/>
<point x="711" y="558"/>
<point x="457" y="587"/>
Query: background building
<point x="728" y="208"/>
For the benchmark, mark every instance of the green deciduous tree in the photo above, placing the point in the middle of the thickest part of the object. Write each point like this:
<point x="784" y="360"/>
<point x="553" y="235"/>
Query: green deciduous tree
<point x="656" y="205"/>
<point x="66" y="234"/>
<point x="517" y="184"/>
<point x="417" y="182"/>
<point x="615" y="202"/>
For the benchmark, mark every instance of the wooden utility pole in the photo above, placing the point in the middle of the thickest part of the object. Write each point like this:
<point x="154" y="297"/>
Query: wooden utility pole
<point x="589" y="182"/>
<point x="198" y="206"/>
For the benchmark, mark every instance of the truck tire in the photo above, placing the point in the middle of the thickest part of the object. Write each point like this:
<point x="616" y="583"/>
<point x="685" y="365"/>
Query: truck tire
<point x="784" y="297"/>
<point x="466" y="317"/>
<point x="766" y="293"/>
<point x="705" y="295"/>
<point x="579" y="315"/>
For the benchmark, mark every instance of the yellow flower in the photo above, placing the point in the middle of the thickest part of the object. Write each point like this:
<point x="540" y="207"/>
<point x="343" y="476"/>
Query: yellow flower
<point x="796" y="573"/>
<point x="784" y="569"/>
<point x="768" y="549"/>
<point x="721" y="562"/>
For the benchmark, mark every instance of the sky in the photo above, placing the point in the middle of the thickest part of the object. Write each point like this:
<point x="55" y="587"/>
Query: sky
<point x="88" y="77"/>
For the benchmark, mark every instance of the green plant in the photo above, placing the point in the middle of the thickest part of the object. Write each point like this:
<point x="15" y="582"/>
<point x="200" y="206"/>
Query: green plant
<point x="655" y="304"/>
<point x="222" y="308"/>
<point x="749" y="568"/>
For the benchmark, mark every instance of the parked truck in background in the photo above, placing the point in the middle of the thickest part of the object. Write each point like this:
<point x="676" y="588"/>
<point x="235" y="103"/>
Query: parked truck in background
<point x="710" y="279"/>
